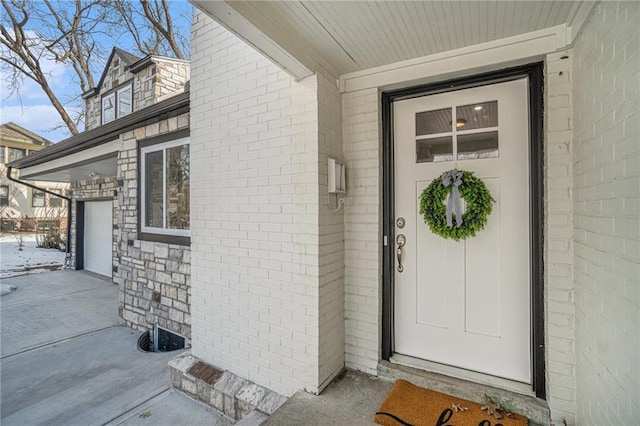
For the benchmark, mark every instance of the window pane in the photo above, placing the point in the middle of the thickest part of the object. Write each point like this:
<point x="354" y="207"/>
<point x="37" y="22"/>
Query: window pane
<point x="478" y="145"/>
<point x="153" y="189"/>
<point x="124" y="102"/>
<point x="53" y="200"/>
<point x="1" y="154"/>
<point x="431" y="122"/>
<point x="178" y="187"/>
<point x="4" y="195"/>
<point x="477" y="116"/>
<point x="16" y="153"/>
<point x="108" y="108"/>
<point x="37" y="198"/>
<point x="434" y="150"/>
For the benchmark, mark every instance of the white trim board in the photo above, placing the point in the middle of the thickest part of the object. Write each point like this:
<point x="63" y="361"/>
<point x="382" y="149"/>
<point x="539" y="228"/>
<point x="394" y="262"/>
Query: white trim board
<point x="508" y="51"/>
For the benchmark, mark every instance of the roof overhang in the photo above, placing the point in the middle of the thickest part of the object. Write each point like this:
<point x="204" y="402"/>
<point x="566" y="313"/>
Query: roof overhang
<point x="100" y="161"/>
<point x="347" y="38"/>
<point x="95" y="150"/>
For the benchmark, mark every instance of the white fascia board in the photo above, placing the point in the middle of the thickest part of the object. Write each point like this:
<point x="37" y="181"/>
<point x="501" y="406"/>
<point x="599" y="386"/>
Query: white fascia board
<point x="510" y="50"/>
<point x="70" y="160"/>
<point x="577" y="18"/>
<point x="227" y="16"/>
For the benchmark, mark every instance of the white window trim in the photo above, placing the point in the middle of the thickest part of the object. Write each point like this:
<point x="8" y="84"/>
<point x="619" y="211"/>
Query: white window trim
<point x="102" y="101"/>
<point x="116" y="102"/>
<point x="128" y="88"/>
<point x="143" y="188"/>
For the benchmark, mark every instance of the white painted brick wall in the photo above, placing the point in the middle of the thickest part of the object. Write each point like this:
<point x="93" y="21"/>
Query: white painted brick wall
<point x="265" y="292"/>
<point x="558" y="247"/>
<point x="606" y="170"/>
<point x="363" y="233"/>
<point x="331" y="250"/>
<point x="363" y="230"/>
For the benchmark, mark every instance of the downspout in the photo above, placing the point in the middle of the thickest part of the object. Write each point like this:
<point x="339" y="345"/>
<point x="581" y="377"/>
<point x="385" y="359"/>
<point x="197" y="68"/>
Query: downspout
<point x="68" y="255"/>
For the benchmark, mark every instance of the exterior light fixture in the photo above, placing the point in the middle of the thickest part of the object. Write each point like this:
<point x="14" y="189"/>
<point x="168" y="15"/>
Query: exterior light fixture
<point x="94" y="175"/>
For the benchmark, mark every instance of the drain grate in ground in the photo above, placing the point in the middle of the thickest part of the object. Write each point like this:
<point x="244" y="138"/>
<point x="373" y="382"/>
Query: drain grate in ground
<point x="205" y="372"/>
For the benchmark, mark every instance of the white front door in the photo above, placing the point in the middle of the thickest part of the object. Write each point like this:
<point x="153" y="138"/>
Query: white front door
<point x="465" y="304"/>
<point x="98" y="237"/>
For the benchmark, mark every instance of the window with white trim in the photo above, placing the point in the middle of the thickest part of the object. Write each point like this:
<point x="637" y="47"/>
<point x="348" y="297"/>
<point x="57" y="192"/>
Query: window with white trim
<point x="37" y="198"/>
<point x="117" y="104"/>
<point x="54" y="201"/>
<point x="164" y="207"/>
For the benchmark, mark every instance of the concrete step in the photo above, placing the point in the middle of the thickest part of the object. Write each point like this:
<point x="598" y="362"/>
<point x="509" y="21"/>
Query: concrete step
<point x="537" y="410"/>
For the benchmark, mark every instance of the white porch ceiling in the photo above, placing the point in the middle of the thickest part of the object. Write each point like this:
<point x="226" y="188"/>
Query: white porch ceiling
<point x="102" y="168"/>
<point x="341" y="37"/>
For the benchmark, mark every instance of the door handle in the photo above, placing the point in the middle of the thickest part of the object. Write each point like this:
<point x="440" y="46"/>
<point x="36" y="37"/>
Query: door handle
<point x="400" y="241"/>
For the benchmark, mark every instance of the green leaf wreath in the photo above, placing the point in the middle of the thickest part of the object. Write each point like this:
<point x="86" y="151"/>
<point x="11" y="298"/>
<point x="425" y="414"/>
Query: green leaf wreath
<point x="478" y="207"/>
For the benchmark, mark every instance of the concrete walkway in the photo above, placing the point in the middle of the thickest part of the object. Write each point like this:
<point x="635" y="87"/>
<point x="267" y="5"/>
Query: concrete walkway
<point x="67" y="361"/>
<point x="351" y="399"/>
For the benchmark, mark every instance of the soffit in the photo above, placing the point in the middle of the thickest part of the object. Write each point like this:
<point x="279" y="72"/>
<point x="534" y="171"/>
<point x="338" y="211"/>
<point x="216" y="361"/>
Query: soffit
<point x="106" y="167"/>
<point x="345" y="37"/>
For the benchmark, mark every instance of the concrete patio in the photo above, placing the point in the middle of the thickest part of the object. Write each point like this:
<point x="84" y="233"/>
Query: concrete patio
<point x="67" y="361"/>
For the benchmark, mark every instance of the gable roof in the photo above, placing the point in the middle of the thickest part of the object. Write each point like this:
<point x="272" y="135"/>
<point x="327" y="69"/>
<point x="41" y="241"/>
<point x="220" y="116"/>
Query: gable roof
<point x="11" y="130"/>
<point x="127" y="58"/>
<point x="171" y="107"/>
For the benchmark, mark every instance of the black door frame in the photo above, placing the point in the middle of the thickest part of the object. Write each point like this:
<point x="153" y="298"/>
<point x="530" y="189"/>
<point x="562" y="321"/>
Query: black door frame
<point x="535" y="73"/>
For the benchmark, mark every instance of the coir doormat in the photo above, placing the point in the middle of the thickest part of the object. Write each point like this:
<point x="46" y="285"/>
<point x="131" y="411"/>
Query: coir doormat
<point x="410" y="405"/>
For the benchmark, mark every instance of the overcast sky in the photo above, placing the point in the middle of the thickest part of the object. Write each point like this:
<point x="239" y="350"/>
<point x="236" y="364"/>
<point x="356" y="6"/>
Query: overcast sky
<point x="33" y="110"/>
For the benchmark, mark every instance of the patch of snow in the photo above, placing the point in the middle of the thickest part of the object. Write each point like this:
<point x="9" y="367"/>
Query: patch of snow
<point x="30" y="260"/>
<point x="6" y="289"/>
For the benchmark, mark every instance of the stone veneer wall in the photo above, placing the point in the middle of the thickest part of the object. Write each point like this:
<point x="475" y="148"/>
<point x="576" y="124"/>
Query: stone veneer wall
<point x="142" y="268"/>
<point x="117" y="74"/>
<point x="157" y="80"/>
<point x="145" y="267"/>
<point x="170" y="77"/>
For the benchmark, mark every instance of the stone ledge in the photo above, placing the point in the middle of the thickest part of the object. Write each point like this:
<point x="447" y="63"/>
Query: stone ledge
<point x="230" y="394"/>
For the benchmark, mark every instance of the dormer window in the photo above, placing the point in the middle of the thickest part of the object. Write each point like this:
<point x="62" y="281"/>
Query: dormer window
<point x="117" y="104"/>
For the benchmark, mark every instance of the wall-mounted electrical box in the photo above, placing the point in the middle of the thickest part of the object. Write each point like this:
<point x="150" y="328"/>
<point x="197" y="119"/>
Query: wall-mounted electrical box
<point x="337" y="176"/>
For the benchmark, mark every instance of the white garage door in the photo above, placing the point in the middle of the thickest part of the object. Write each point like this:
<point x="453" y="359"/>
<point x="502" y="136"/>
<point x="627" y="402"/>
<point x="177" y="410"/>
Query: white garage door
<point x="98" y="234"/>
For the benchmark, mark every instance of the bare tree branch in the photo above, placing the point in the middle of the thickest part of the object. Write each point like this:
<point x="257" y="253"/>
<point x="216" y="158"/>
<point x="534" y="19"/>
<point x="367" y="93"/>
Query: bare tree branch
<point x="69" y="32"/>
<point x="24" y="50"/>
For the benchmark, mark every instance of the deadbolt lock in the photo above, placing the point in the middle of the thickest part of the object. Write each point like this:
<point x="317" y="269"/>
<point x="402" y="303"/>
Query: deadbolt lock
<point x="400" y="222"/>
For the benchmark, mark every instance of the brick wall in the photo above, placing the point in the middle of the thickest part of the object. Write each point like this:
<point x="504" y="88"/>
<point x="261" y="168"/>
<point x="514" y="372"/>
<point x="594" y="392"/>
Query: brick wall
<point x="363" y="233"/>
<point x="363" y="230"/>
<point x="606" y="176"/>
<point x="558" y="247"/>
<point x="267" y="252"/>
<point x="331" y="237"/>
